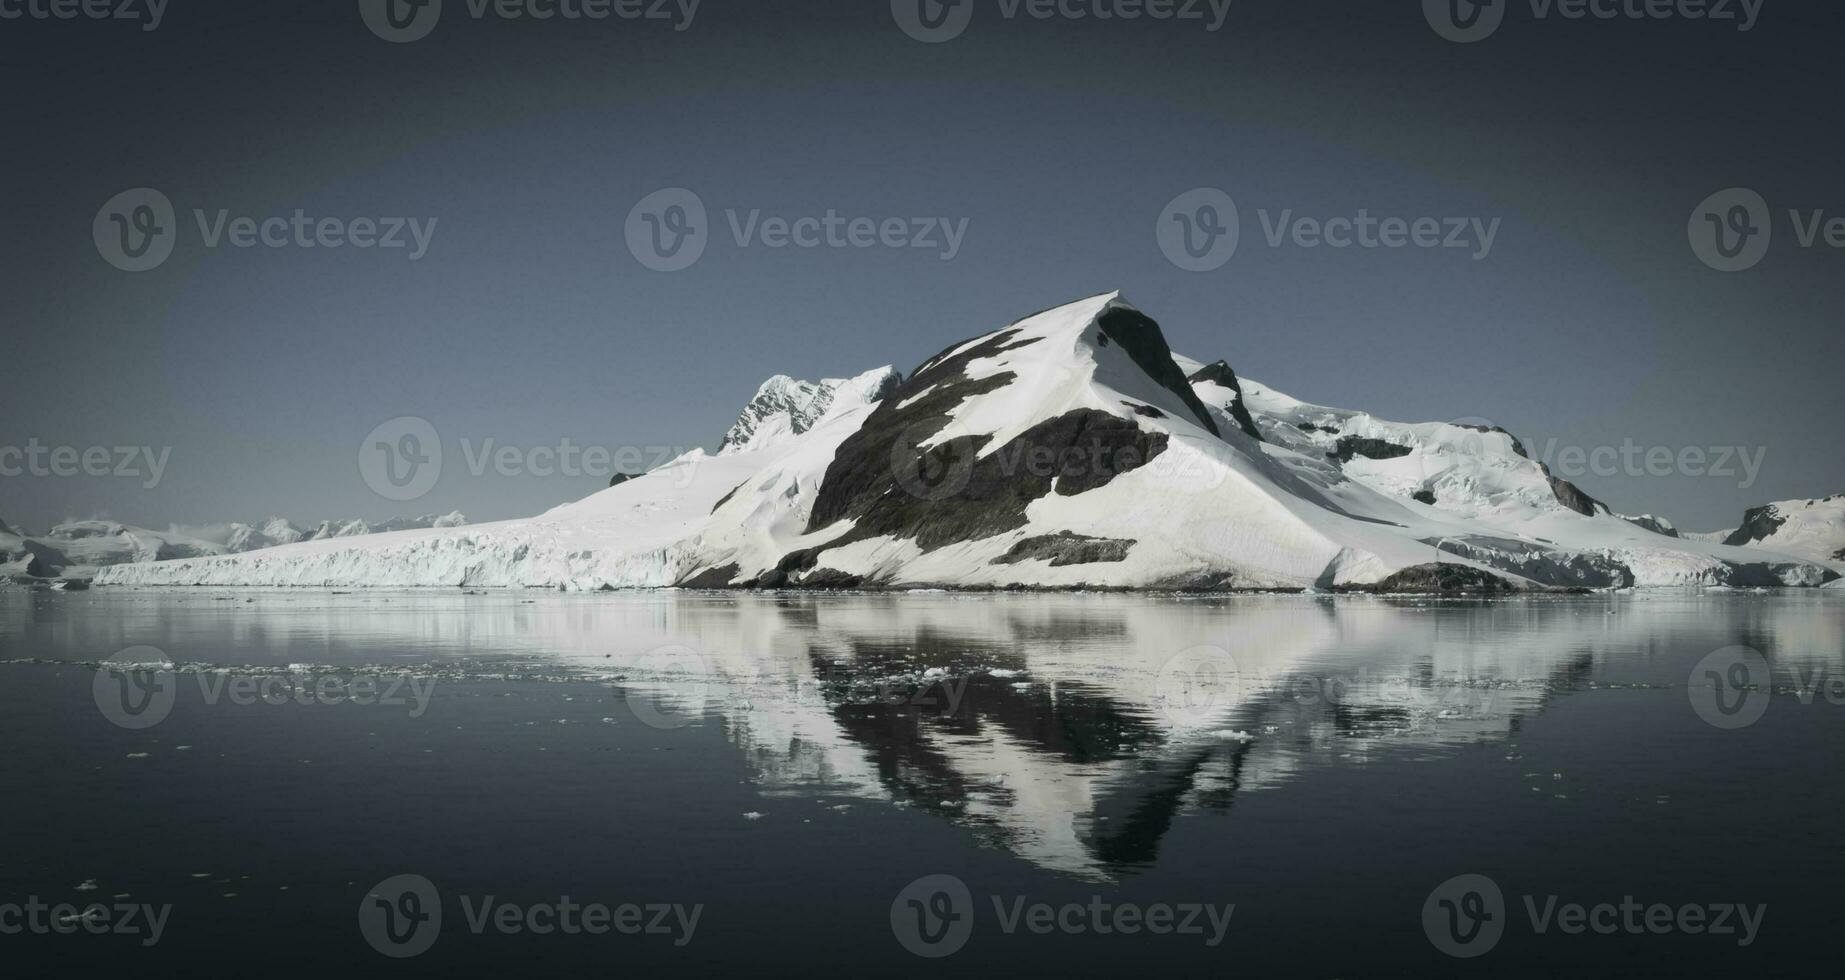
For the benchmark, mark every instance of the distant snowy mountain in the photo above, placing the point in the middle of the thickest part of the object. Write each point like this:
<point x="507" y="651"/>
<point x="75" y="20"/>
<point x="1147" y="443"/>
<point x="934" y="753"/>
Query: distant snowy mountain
<point x="78" y="548"/>
<point x="1811" y="529"/>
<point x="784" y="407"/>
<point x="1072" y="448"/>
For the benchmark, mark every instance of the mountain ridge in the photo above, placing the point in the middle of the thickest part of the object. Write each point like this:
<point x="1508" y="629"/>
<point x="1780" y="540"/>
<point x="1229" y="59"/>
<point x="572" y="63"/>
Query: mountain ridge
<point x="1069" y="449"/>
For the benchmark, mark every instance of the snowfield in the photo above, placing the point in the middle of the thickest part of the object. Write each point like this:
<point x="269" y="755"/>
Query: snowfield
<point x="77" y="549"/>
<point x="1071" y="449"/>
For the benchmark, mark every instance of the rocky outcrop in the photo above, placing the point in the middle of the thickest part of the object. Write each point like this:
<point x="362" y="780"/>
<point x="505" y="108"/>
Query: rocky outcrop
<point x="1443" y="579"/>
<point x="1571" y="496"/>
<point x="1657" y="525"/>
<point x="1140" y="337"/>
<point x="1350" y="446"/>
<point x="784" y="406"/>
<point x="1759" y="524"/>
<point x="1219" y="373"/>
<point x="1066" y="548"/>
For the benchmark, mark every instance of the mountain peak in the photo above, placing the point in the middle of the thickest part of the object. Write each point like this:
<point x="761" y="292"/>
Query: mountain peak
<point x="784" y="407"/>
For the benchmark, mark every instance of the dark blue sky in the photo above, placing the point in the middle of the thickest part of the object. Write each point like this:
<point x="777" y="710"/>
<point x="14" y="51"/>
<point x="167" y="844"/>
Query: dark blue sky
<point x="1058" y="142"/>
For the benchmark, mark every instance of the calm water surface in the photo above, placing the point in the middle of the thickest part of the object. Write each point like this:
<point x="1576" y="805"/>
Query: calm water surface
<point x="786" y="768"/>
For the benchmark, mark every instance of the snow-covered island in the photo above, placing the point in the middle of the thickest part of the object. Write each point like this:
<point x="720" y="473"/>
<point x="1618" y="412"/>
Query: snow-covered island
<point x="1070" y="449"/>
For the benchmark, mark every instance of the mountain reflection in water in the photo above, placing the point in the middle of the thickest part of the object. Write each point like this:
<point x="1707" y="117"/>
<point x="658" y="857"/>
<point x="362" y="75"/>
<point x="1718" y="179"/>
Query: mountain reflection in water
<point x="1070" y="729"/>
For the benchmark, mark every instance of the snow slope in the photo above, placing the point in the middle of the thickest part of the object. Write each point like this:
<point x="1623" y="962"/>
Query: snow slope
<point x="1811" y="529"/>
<point x="1072" y="448"/>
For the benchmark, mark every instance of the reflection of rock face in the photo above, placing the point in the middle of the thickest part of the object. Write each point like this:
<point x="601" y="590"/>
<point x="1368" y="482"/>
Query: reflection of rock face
<point x="1071" y="730"/>
<point x="1048" y="728"/>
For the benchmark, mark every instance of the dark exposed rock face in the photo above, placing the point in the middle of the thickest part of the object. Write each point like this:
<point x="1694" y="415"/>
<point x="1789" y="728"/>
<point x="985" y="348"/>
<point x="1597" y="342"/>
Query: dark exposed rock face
<point x="1219" y="374"/>
<point x="1560" y="569"/>
<point x="883" y="479"/>
<point x="1145" y="411"/>
<point x="862" y="466"/>
<point x="620" y="478"/>
<point x="1066" y="548"/>
<point x="1571" y="496"/>
<point x="1651" y="524"/>
<point x="726" y="497"/>
<point x="1445" y="579"/>
<point x="1140" y="337"/>
<point x="1839" y="555"/>
<point x="712" y="578"/>
<point x="1759" y="523"/>
<point x="944" y="494"/>
<point x="1424" y="497"/>
<point x="1310" y="427"/>
<point x="1350" y="446"/>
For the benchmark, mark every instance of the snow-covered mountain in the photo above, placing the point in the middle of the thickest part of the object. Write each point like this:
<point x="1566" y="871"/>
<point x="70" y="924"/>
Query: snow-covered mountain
<point x="78" y="548"/>
<point x="1811" y="529"/>
<point x="786" y="407"/>
<point x="1072" y="448"/>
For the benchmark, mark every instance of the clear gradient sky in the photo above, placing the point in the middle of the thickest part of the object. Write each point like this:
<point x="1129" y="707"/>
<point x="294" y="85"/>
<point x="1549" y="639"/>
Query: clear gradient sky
<point x="1059" y="142"/>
